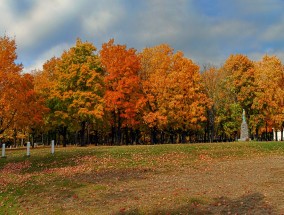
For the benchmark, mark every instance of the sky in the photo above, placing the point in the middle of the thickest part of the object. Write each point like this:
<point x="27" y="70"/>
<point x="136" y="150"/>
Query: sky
<point x="206" y="31"/>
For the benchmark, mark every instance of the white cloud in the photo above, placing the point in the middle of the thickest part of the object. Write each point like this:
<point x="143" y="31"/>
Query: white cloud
<point x="6" y="15"/>
<point x="55" y="51"/>
<point x="204" y="37"/>
<point x="45" y="23"/>
<point x="40" y="21"/>
<point x="102" y="19"/>
<point x="161" y="20"/>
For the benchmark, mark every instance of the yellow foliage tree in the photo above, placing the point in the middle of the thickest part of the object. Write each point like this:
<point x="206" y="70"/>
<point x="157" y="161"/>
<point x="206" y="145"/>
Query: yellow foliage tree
<point x="77" y="88"/>
<point x="269" y="92"/>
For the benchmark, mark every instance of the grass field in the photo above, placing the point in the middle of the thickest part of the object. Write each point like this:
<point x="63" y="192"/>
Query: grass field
<point x="219" y="178"/>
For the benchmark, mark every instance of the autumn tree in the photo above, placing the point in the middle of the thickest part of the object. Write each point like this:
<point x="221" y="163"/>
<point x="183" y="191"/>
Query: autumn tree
<point x="31" y="107"/>
<point x="155" y="63"/>
<point x="45" y="82"/>
<point x="241" y="80"/>
<point x="186" y="99"/>
<point x="20" y="106"/>
<point x="175" y="96"/>
<point x="45" y="79"/>
<point x="76" y="96"/>
<point x="212" y="81"/>
<point x="237" y="93"/>
<point x="269" y="93"/>
<point x="123" y="97"/>
<point x="9" y="80"/>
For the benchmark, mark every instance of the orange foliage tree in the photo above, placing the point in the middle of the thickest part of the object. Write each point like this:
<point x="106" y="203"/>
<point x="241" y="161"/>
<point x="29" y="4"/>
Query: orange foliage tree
<point x="123" y="97"/>
<point x="187" y="101"/>
<point x="155" y="62"/>
<point x="9" y="79"/>
<point x="269" y="93"/>
<point x="31" y="107"/>
<point x="20" y="106"/>
<point x="175" y="98"/>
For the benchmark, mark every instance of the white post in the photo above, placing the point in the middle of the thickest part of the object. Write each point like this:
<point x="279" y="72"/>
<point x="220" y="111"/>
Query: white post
<point x="52" y="146"/>
<point x="28" y="148"/>
<point x="3" y="150"/>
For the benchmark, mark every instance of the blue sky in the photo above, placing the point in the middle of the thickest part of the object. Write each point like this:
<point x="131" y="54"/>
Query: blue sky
<point x="207" y="31"/>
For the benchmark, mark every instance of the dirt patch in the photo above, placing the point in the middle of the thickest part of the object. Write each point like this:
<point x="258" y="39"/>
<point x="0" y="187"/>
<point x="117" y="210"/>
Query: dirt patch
<point x="246" y="186"/>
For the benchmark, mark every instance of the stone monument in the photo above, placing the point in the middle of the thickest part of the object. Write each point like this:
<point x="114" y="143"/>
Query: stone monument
<point x="244" y="129"/>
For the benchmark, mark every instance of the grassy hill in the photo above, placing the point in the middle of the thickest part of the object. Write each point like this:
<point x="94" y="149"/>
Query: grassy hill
<point x="151" y="179"/>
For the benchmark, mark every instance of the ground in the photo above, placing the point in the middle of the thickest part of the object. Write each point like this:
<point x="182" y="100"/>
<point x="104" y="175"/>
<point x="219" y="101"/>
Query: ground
<point x="181" y="179"/>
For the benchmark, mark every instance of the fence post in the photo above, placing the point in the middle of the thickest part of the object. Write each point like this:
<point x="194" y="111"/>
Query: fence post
<point x="3" y="150"/>
<point x="28" y="148"/>
<point x="52" y="146"/>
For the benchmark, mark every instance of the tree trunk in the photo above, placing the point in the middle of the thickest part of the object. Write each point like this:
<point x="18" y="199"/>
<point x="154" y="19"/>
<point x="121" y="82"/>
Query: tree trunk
<point x="119" y="133"/>
<point x="15" y="137"/>
<point x="183" y="137"/>
<point x="266" y="132"/>
<point x="171" y="137"/>
<point x="126" y="136"/>
<point x="154" y="135"/>
<point x="64" y="135"/>
<point x="137" y="136"/>
<point x="82" y="134"/>
<point x="88" y="133"/>
<point x="113" y="135"/>
<point x="132" y="136"/>
<point x="33" y="137"/>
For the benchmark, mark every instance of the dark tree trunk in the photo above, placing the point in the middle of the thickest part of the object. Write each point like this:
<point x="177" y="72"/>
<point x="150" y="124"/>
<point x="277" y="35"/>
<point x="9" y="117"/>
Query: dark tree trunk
<point x="113" y="135"/>
<point x="183" y="137"/>
<point x="96" y="137"/>
<point x="119" y="133"/>
<point x="88" y="134"/>
<point x="132" y="136"/>
<point x="171" y="137"/>
<point x="162" y="137"/>
<point x="82" y="134"/>
<point x="64" y="135"/>
<point x="257" y="134"/>
<point x="137" y="136"/>
<point x="266" y="132"/>
<point x="127" y="141"/>
<point x="154" y="135"/>
<point x="33" y="137"/>
<point x="15" y="137"/>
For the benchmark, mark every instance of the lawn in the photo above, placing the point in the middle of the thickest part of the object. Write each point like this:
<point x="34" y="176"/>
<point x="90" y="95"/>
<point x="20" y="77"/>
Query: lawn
<point x="217" y="178"/>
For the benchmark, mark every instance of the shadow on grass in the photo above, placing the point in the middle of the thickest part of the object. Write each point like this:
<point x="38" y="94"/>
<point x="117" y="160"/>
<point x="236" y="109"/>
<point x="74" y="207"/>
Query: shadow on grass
<point x="249" y="204"/>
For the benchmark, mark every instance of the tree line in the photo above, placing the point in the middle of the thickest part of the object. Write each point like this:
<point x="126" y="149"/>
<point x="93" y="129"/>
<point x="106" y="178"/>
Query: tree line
<point x="118" y="95"/>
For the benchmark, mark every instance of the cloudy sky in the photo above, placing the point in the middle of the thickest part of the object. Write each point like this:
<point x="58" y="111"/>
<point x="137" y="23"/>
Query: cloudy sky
<point x="207" y="31"/>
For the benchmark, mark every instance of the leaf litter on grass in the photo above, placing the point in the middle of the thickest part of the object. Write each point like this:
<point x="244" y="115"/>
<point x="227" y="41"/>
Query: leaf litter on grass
<point x="170" y="181"/>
